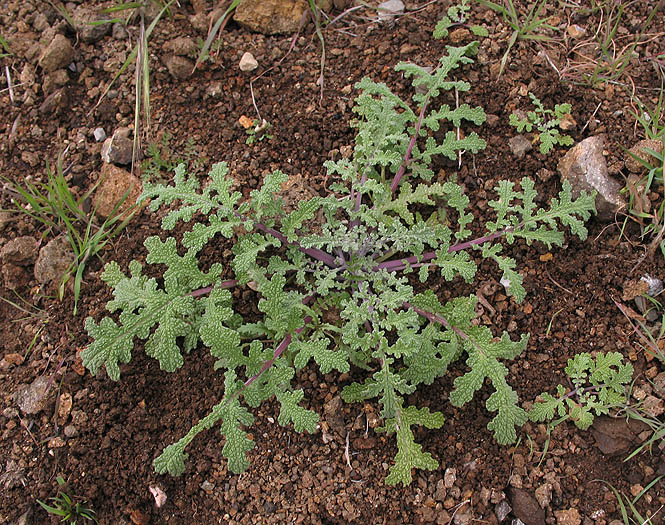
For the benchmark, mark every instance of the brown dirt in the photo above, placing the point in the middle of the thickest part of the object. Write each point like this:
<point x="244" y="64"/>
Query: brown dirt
<point x="296" y="478"/>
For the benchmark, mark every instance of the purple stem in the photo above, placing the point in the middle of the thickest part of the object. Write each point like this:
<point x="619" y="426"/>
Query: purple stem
<point x="436" y="318"/>
<point x="358" y="198"/>
<point x="225" y="284"/>
<point x="400" y="264"/>
<point x="315" y="253"/>
<point x="278" y="352"/>
<point x="412" y="144"/>
<point x="363" y="179"/>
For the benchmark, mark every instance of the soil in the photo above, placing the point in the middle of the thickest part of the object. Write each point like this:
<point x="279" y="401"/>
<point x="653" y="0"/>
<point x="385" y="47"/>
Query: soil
<point x="116" y="429"/>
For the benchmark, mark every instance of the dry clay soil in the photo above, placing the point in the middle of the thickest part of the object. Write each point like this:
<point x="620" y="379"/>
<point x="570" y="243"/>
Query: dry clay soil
<point x="120" y="427"/>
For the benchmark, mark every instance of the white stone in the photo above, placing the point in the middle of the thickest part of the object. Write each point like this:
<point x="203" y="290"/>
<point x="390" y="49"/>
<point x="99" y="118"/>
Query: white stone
<point x="248" y="62"/>
<point x="100" y="134"/>
<point x="387" y="10"/>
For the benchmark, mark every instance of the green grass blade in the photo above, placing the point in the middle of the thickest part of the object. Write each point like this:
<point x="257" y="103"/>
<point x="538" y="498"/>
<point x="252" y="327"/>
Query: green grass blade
<point x="64" y="13"/>
<point x="213" y="33"/>
<point x="122" y="7"/>
<point x="5" y="46"/>
<point x="617" y="494"/>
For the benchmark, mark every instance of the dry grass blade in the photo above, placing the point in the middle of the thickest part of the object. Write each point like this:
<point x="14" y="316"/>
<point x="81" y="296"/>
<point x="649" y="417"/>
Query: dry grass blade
<point x="315" y="11"/>
<point x="132" y="55"/>
<point x="142" y="96"/>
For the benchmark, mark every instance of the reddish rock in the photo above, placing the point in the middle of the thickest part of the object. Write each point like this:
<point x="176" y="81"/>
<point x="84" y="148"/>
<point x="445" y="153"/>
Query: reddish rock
<point x="112" y="189"/>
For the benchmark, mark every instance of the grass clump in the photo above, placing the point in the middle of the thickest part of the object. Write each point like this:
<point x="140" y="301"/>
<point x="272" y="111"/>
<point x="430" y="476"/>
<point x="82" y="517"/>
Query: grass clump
<point x="526" y="28"/>
<point x="65" y="507"/>
<point x="61" y="212"/>
<point x="650" y="216"/>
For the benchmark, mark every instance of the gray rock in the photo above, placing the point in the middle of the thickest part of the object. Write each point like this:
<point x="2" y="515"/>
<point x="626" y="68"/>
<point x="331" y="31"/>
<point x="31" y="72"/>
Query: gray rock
<point x="449" y="477"/>
<point x="5" y="218"/>
<point x="113" y="189"/>
<point x="117" y="149"/>
<point x="215" y="89"/>
<point x="332" y="413"/>
<point x="544" y="495"/>
<point x="32" y="398"/>
<point x="119" y="32"/>
<point x="40" y="23"/>
<point x="57" y="55"/>
<point x="181" y="46"/>
<point x="179" y="67"/>
<point x="71" y="431"/>
<point x="56" y="103"/>
<point x="54" y="80"/>
<point x="270" y="17"/>
<point x="87" y="31"/>
<point x="519" y="145"/>
<point x="54" y="260"/>
<point x="502" y="509"/>
<point x="208" y="487"/>
<point x="586" y="169"/>
<point x="20" y="251"/>
<point x="389" y="9"/>
<point x="634" y="165"/>
<point x="248" y="62"/>
<point x="123" y="133"/>
<point x="525" y="507"/>
<point x="463" y="518"/>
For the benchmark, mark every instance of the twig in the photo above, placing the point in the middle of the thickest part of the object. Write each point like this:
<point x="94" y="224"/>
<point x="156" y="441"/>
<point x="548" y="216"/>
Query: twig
<point x="9" y="84"/>
<point x="11" y="139"/>
<point x="557" y="284"/>
<point x="592" y="116"/>
<point x="459" y="506"/>
<point x="251" y="91"/>
<point x="14" y="85"/>
<point x="549" y="60"/>
<point x="346" y="452"/>
<point x="28" y="431"/>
